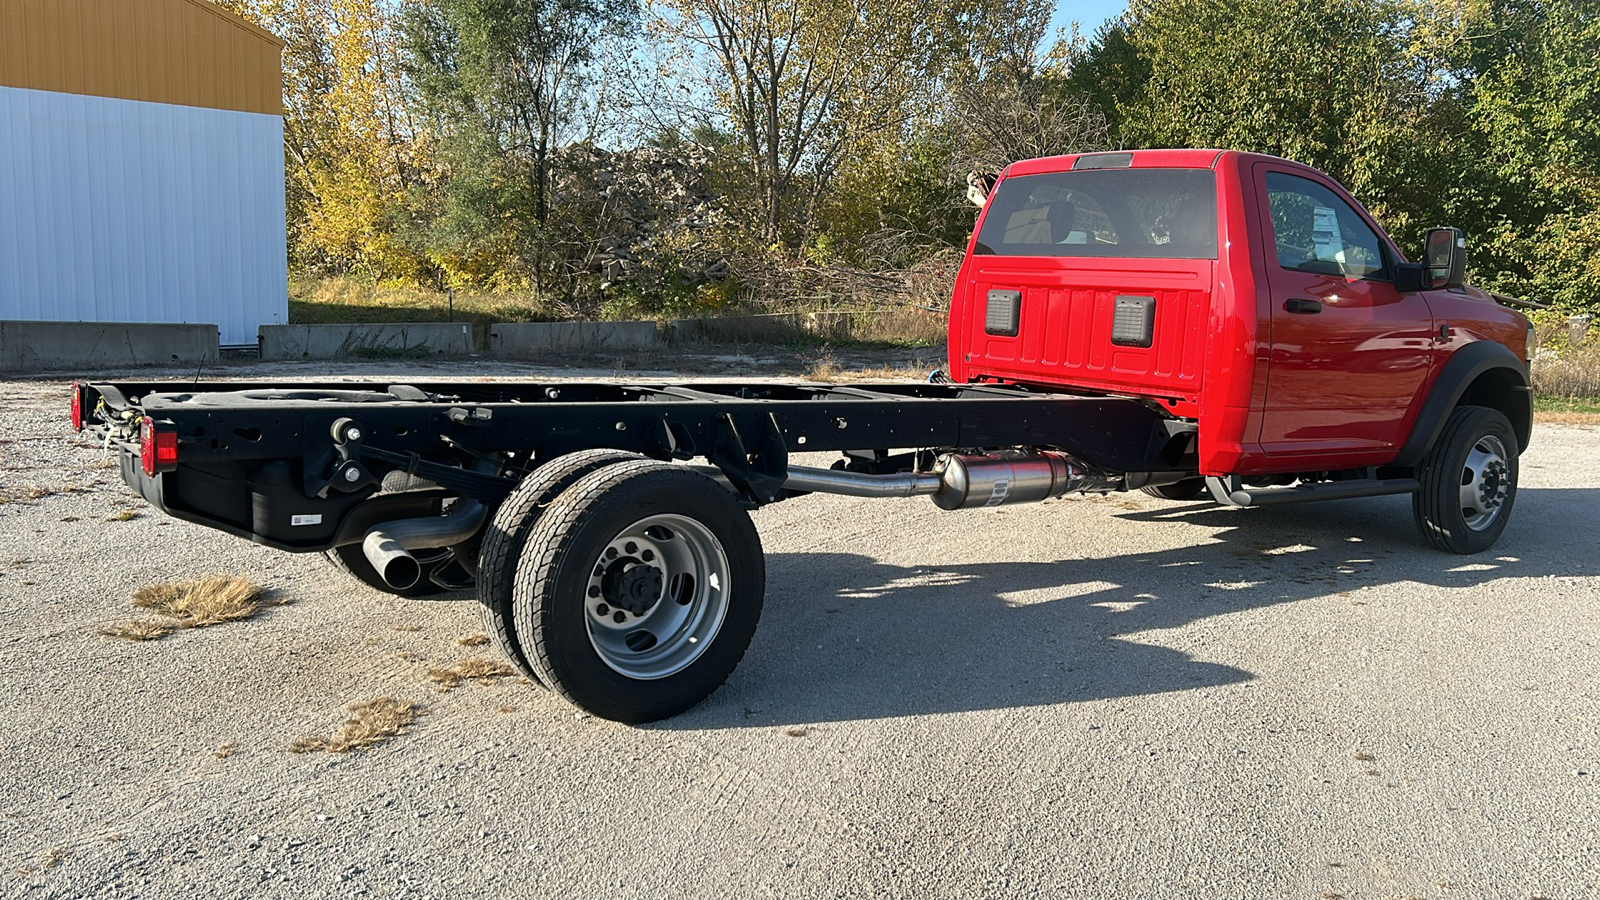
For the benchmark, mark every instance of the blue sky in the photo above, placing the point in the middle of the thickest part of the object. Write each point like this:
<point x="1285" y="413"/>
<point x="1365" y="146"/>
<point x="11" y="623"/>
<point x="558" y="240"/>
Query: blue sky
<point x="1089" y="14"/>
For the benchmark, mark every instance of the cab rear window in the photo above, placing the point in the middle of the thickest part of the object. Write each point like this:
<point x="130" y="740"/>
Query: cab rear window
<point x="1135" y="213"/>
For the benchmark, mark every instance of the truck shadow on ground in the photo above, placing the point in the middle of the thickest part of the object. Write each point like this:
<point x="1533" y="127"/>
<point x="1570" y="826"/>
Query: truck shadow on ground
<point x="846" y="637"/>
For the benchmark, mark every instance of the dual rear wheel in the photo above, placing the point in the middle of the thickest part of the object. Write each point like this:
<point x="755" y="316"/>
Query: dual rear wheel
<point x="628" y="586"/>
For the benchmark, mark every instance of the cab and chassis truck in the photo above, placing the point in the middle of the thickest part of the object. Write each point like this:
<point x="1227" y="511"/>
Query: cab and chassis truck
<point x="1196" y="324"/>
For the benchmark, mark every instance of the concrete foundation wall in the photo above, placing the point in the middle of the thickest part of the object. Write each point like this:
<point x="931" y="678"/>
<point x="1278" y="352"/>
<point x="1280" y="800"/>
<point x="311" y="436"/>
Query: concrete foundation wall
<point x="532" y="339"/>
<point x="88" y="346"/>
<point x="364" y="341"/>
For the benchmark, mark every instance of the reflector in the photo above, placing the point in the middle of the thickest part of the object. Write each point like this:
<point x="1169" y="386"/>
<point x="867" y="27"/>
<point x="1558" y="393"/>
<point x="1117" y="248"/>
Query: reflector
<point x="77" y="406"/>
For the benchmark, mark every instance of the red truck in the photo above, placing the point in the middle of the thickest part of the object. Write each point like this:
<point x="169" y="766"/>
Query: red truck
<point x="1183" y="322"/>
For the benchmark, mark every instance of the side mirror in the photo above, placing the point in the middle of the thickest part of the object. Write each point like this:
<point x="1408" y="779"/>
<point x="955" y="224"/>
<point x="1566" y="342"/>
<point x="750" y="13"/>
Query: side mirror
<point x="1446" y="258"/>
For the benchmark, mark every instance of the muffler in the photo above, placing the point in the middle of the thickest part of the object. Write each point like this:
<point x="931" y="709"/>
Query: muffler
<point x="388" y="546"/>
<point x="972" y="482"/>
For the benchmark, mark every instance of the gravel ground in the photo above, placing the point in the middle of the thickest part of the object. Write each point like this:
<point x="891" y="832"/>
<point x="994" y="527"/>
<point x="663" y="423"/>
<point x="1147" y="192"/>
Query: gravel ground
<point x="1101" y="697"/>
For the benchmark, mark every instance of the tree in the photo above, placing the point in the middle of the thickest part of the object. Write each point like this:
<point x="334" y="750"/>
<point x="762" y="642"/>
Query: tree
<point x="497" y="83"/>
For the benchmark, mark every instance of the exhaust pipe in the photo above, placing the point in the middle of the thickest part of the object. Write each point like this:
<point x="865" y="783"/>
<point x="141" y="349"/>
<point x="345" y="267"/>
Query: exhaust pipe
<point x="973" y="482"/>
<point x="388" y="546"/>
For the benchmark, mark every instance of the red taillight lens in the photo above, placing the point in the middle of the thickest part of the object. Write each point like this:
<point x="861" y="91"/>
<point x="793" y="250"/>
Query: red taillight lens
<point x="77" y="406"/>
<point x="158" y="449"/>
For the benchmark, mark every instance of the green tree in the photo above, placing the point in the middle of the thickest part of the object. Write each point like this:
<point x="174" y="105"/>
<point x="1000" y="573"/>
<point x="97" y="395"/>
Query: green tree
<point x="496" y="86"/>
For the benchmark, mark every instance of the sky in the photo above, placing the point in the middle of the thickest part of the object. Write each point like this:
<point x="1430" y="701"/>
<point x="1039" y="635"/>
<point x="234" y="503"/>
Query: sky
<point x="1089" y="14"/>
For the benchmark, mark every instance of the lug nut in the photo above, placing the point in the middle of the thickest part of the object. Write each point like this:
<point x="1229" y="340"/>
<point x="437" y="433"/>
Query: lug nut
<point x="632" y="548"/>
<point x="602" y="609"/>
<point x="594" y="590"/>
<point x="648" y="555"/>
<point x="611" y="553"/>
<point x="619" y="617"/>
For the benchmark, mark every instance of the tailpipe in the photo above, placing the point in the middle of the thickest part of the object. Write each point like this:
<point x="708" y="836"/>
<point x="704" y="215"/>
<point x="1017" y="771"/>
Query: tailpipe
<point x="388" y="545"/>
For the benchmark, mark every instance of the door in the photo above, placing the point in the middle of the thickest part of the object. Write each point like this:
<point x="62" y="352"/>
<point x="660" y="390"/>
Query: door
<point x="1349" y="353"/>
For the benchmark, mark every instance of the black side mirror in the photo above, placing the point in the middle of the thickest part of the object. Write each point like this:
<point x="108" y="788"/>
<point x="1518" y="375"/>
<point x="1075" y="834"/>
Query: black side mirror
<point x="1409" y="278"/>
<point x="1445" y="256"/>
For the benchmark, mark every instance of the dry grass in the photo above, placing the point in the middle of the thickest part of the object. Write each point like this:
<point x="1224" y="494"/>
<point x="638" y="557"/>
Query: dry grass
<point x="137" y="630"/>
<point x="473" y="640"/>
<point x="126" y="515"/>
<point x="824" y="369"/>
<point x="408" y="629"/>
<point x="224" y="751"/>
<point x="796" y="732"/>
<point x="211" y="600"/>
<point x="370" y="724"/>
<point x="483" y="671"/>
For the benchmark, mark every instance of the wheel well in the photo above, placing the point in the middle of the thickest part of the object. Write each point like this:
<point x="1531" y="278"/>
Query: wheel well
<point x="1502" y="389"/>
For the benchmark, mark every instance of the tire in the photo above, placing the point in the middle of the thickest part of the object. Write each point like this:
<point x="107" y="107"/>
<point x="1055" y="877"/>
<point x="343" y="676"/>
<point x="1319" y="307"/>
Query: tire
<point x="1469" y="482"/>
<point x="441" y="561"/>
<point x="508" y="531"/>
<point x="638" y="590"/>
<point x="1187" y="489"/>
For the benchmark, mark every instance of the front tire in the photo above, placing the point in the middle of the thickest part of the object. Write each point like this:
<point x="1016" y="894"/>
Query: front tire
<point x="639" y="590"/>
<point x="1469" y="482"/>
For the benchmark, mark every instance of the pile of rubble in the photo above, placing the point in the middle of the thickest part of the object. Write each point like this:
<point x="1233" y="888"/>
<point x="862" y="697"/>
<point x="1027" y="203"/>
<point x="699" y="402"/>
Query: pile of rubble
<point x="652" y="207"/>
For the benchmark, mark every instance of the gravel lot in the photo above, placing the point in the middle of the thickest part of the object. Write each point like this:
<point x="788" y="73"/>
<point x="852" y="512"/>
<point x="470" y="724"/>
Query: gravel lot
<point x="1102" y="697"/>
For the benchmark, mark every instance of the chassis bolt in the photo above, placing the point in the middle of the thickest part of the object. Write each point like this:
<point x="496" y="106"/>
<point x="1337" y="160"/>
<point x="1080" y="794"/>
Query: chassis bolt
<point x="351" y="474"/>
<point x="352" y="434"/>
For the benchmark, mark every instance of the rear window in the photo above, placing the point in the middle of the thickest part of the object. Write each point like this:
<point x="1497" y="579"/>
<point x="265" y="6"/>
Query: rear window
<point x="1138" y="213"/>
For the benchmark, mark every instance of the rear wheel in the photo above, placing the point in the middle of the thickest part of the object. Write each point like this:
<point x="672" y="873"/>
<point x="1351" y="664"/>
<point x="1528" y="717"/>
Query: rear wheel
<point x="1187" y="489"/>
<point x="1468" y="482"/>
<point x="639" y="590"/>
<point x="503" y="540"/>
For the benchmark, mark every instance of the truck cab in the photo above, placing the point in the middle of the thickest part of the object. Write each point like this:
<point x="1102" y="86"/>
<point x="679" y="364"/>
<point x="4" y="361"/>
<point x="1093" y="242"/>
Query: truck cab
<point x="1247" y="294"/>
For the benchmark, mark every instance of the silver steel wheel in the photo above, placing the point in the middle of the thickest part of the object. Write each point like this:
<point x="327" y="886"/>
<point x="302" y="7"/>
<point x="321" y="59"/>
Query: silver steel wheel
<point x="657" y="595"/>
<point x="1485" y="481"/>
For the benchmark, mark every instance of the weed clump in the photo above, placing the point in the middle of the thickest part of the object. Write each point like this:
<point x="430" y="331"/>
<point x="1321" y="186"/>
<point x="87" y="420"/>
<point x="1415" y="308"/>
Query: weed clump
<point x="370" y="724"/>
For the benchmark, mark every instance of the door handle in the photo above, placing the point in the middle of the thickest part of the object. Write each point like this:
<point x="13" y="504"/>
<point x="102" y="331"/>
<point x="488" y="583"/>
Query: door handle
<point x="1302" y="307"/>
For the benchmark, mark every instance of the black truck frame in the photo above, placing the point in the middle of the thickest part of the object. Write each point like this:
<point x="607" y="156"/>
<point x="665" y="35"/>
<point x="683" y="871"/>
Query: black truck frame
<point x="604" y="526"/>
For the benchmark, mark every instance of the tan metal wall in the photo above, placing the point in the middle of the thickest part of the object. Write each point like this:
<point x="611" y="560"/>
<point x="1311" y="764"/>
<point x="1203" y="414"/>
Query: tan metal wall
<point x="185" y="52"/>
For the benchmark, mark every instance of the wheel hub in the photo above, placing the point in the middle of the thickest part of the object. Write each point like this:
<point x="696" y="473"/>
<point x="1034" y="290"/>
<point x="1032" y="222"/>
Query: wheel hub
<point x="631" y="585"/>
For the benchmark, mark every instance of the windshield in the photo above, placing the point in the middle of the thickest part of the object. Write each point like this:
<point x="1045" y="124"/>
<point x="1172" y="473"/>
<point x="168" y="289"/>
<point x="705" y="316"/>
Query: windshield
<point x="1138" y="213"/>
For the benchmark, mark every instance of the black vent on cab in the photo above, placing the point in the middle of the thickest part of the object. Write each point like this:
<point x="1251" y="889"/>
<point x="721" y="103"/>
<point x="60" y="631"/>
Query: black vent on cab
<point x="1001" y="314"/>
<point x="1134" y="322"/>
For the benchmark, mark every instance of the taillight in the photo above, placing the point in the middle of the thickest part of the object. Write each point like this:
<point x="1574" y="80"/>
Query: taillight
<point x="158" y="448"/>
<point x="77" y="406"/>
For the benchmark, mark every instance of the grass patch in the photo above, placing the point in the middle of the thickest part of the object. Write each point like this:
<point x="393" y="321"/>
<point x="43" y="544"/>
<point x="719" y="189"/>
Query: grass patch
<point x="192" y="604"/>
<point x="126" y="515"/>
<point x="483" y="671"/>
<point x="473" y="640"/>
<point x="211" y="600"/>
<point x="1546" y="406"/>
<point x="224" y="751"/>
<point x="370" y="724"/>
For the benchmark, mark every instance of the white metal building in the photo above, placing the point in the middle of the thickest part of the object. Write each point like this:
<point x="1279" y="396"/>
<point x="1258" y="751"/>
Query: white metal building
<point x="141" y="165"/>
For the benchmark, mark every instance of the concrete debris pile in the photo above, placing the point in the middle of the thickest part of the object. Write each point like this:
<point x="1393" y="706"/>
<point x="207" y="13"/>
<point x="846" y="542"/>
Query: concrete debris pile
<point x="653" y="207"/>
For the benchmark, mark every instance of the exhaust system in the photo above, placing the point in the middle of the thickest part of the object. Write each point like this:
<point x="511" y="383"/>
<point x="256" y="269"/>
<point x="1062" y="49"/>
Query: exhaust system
<point x="974" y="482"/>
<point x="388" y="546"/>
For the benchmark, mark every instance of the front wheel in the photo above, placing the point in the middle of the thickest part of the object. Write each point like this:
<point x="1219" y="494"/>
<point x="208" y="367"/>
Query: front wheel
<point x="639" y="590"/>
<point x="1468" y="482"/>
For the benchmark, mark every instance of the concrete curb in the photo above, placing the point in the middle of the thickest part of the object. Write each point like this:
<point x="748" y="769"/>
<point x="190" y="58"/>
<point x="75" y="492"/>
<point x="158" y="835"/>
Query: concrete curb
<point x="525" y="340"/>
<point x="46" y="346"/>
<point x="364" y="341"/>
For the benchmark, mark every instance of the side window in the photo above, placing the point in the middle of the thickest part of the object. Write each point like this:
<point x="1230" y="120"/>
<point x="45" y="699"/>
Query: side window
<point x="1316" y="231"/>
